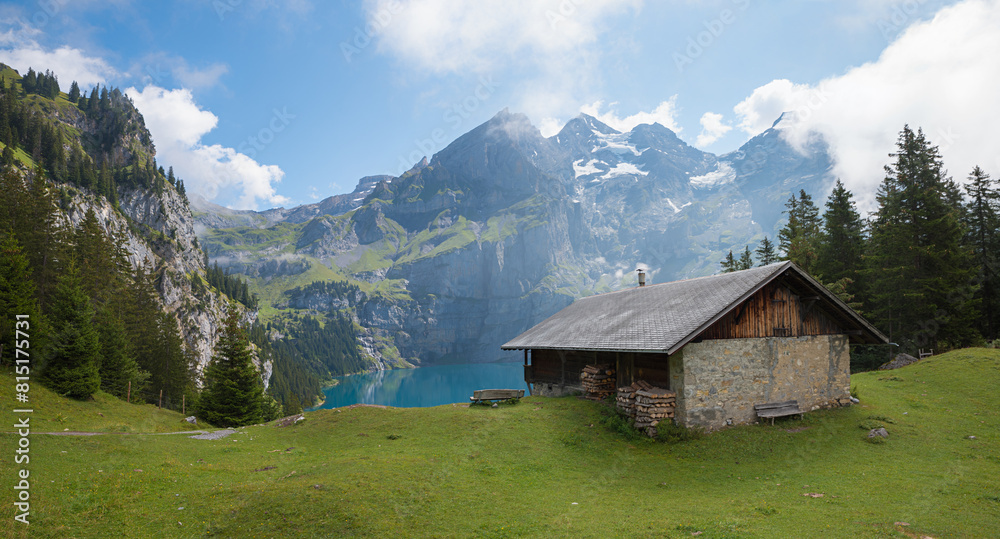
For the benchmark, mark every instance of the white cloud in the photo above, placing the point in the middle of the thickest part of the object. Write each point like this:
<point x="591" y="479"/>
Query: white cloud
<point x="213" y="171"/>
<point x="456" y="35"/>
<point x="940" y="75"/>
<point x="68" y="64"/>
<point x="664" y="114"/>
<point x="712" y="129"/>
<point x="554" y="46"/>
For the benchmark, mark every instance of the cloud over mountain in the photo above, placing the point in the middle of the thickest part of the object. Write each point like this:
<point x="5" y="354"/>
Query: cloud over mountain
<point x="925" y="78"/>
<point x="211" y="170"/>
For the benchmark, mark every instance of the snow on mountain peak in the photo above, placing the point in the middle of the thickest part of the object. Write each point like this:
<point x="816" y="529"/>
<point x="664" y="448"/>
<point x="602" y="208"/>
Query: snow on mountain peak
<point x="722" y="174"/>
<point x="586" y="169"/>
<point x="614" y="142"/>
<point x="621" y="169"/>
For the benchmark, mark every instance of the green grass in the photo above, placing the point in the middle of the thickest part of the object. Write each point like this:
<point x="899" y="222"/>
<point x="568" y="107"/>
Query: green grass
<point x="543" y="468"/>
<point x="103" y="413"/>
<point x="21" y="156"/>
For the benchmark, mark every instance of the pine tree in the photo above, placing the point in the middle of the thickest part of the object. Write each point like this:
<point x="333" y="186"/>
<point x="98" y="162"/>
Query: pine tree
<point x="746" y="259"/>
<point x="982" y="222"/>
<point x="17" y="296"/>
<point x="920" y="276"/>
<point x="176" y="375"/>
<point x="93" y="103"/>
<point x="118" y="366"/>
<point x="729" y="263"/>
<point x="74" y="92"/>
<point x="800" y="235"/>
<point x="841" y="242"/>
<point x="43" y="241"/>
<point x="293" y="406"/>
<point x="765" y="252"/>
<point x="73" y="355"/>
<point x="98" y="272"/>
<point x="142" y="324"/>
<point x="233" y="394"/>
<point x="29" y="81"/>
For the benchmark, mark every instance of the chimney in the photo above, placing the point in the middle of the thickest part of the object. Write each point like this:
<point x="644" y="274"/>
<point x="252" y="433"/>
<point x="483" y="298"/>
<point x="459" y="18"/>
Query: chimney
<point x="642" y="277"/>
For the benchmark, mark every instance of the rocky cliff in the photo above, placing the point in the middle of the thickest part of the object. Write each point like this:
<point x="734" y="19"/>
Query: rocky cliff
<point x="104" y="161"/>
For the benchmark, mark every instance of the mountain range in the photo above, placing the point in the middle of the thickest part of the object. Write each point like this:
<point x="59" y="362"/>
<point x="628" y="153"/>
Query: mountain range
<point x="504" y="227"/>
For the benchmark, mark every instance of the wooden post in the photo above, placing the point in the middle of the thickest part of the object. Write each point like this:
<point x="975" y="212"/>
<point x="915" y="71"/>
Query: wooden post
<point x="161" y="399"/>
<point x="183" y="400"/>
<point x="129" y="398"/>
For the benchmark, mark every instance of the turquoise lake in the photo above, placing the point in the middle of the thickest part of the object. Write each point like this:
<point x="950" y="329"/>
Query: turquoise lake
<point x="423" y="386"/>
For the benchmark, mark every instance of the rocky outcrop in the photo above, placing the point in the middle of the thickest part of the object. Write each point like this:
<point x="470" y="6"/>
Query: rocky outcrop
<point x="158" y="233"/>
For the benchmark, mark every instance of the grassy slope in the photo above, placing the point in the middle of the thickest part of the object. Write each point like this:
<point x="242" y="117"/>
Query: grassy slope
<point x="104" y="413"/>
<point x="548" y="468"/>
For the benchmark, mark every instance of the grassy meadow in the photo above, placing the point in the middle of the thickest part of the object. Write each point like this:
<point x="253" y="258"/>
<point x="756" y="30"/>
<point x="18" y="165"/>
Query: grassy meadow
<point x="540" y="468"/>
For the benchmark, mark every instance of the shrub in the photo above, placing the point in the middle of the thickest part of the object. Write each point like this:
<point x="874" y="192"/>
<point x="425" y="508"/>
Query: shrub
<point x="670" y="433"/>
<point x="620" y="423"/>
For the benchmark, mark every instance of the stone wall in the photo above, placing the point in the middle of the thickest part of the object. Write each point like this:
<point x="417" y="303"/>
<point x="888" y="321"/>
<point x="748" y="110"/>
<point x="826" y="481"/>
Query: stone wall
<point x="718" y="382"/>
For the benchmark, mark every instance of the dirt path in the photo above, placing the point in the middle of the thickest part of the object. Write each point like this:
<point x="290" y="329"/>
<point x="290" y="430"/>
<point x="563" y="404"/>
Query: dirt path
<point x="196" y="434"/>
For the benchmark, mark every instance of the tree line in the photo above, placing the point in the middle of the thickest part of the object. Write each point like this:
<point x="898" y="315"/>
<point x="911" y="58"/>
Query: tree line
<point x="231" y="286"/>
<point x="97" y="322"/>
<point x="922" y="266"/>
<point x="89" y="163"/>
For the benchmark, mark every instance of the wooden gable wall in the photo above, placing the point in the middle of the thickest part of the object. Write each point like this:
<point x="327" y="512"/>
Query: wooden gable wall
<point x="774" y="311"/>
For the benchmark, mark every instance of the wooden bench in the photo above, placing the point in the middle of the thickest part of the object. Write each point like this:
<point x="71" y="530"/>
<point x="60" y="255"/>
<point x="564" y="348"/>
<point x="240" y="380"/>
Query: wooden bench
<point x="777" y="409"/>
<point x="482" y="395"/>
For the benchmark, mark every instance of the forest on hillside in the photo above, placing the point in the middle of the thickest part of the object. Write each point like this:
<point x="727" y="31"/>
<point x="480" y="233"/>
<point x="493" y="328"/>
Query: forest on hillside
<point x="97" y="322"/>
<point x="922" y="267"/>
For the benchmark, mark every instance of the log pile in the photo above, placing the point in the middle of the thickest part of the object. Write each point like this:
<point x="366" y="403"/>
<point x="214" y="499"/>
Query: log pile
<point x="652" y="406"/>
<point x="647" y="405"/>
<point x="626" y="396"/>
<point x="598" y="381"/>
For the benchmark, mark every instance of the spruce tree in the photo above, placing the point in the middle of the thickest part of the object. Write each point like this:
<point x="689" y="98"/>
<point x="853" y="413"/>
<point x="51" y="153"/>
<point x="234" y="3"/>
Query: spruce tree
<point x="799" y="237"/>
<point x="142" y="324"/>
<point x="765" y="252"/>
<point x="233" y="394"/>
<point x="176" y="373"/>
<point x="920" y="275"/>
<point x="729" y="263"/>
<point x="74" y="92"/>
<point x="982" y="222"/>
<point x="73" y="356"/>
<point x="746" y="259"/>
<point x="118" y="366"/>
<point x="43" y="241"/>
<point x="841" y="242"/>
<point x="17" y="296"/>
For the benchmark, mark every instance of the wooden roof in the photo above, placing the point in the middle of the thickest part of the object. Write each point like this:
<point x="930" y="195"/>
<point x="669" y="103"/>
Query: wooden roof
<point x="665" y="317"/>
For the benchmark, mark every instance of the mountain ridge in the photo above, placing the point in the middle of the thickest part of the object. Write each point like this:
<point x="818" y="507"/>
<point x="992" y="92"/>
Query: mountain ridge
<point x="503" y="227"/>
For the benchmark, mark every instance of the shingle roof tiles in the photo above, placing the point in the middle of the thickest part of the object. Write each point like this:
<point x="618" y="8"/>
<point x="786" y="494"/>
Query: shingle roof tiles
<point x="660" y="317"/>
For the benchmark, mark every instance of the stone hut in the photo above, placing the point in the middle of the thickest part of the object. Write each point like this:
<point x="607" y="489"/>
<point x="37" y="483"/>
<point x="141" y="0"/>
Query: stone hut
<point x="723" y="343"/>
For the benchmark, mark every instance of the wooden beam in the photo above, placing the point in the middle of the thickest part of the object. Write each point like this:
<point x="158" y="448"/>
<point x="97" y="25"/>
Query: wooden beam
<point x="743" y="308"/>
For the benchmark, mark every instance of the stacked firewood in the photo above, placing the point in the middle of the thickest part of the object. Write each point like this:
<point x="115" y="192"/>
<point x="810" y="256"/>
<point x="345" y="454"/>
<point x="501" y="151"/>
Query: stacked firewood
<point x="652" y="406"/>
<point x="598" y="381"/>
<point x="626" y="396"/>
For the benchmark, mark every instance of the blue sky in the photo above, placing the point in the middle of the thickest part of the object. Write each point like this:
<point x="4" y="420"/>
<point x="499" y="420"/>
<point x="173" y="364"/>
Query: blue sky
<point x="260" y="103"/>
